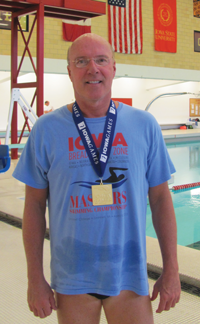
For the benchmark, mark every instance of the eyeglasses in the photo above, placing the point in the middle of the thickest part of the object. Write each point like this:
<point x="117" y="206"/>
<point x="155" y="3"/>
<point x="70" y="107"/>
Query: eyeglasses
<point x="83" y="62"/>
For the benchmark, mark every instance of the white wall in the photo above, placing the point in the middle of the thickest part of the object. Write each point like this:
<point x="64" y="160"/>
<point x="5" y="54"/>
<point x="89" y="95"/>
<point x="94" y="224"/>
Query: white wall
<point x="58" y="90"/>
<point x="167" y="109"/>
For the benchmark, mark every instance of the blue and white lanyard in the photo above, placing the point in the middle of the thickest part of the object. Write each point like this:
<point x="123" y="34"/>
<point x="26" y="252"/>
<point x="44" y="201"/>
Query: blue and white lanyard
<point x="99" y="158"/>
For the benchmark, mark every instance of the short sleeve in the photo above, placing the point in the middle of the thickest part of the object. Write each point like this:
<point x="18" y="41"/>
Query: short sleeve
<point x="32" y="167"/>
<point x="160" y="166"/>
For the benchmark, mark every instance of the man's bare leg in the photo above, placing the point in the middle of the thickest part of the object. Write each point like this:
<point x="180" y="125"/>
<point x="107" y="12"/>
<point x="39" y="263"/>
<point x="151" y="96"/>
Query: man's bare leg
<point x="78" y="309"/>
<point x="128" y="308"/>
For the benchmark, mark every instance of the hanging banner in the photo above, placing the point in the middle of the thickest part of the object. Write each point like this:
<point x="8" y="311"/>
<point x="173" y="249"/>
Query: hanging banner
<point x="165" y="25"/>
<point x="74" y="29"/>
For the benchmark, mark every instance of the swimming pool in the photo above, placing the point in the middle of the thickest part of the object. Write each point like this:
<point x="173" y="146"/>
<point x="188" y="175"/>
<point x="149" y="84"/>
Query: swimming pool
<point x="186" y="159"/>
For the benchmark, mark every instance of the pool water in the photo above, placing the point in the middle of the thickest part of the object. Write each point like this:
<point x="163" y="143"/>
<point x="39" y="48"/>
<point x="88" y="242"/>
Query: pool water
<point x="186" y="159"/>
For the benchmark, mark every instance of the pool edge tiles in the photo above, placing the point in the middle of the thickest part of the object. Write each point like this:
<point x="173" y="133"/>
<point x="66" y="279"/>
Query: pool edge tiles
<point x="188" y="259"/>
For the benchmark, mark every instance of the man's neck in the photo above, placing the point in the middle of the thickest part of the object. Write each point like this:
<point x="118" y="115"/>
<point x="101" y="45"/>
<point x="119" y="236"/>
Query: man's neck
<point x="93" y="111"/>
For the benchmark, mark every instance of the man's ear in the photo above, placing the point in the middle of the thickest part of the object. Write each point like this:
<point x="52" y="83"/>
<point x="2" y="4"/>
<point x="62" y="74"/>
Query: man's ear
<point x="69" y="72"/>
<point x="114" y="69"/>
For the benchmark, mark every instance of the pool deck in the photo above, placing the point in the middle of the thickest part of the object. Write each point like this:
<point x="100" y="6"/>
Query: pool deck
<point x="181" y="135"/>
<point x="12" y="194"/>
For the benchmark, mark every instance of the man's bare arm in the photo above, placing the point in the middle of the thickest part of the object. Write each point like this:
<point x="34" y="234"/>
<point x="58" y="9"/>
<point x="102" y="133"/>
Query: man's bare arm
<point x="168" y="285"/>
<point x="40" y="296"/>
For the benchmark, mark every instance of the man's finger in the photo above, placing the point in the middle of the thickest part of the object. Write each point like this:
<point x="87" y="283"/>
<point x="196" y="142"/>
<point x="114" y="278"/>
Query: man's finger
<point x="42" y="313"/>
<point x="154" y="294"/>
<point x="52" y="303"/>
<point x="164" y="303"/>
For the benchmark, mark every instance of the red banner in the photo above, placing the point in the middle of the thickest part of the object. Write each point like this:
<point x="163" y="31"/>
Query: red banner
<point x="126" y="101"/>
<point x="74" y="29"/>
<point x="165" y="25"/>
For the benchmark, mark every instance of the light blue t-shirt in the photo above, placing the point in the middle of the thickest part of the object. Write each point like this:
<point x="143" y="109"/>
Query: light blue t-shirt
<point x="96" y="249"/>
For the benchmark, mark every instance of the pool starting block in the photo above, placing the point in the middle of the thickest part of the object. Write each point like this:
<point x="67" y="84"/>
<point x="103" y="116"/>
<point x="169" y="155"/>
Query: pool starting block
<point x="4" y="158"/>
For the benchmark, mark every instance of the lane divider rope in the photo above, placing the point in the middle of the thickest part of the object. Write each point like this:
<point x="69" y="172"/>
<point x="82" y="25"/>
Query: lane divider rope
<point x="185" y="186"/>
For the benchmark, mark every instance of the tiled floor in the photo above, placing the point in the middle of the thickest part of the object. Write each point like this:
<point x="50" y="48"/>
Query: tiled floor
<point x="13" y="280"/>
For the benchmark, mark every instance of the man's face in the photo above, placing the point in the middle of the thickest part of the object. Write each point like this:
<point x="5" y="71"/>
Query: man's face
<point x="91" y="83"/>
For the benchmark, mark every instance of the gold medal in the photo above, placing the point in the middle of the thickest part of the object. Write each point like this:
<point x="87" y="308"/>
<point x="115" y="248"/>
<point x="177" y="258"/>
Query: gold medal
<point x="102" y="194"/>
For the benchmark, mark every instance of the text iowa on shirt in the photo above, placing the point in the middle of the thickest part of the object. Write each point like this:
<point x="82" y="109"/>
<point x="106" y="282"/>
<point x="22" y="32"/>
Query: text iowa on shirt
<point x="119" y="144"/>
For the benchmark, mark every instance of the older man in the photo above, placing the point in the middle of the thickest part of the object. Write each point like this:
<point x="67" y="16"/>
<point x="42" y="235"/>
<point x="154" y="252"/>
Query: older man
<point x="95" y="161"/>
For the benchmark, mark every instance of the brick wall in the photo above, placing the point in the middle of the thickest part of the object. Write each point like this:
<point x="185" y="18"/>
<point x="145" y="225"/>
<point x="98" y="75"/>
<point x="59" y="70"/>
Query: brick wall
<point x="185" y="58"/>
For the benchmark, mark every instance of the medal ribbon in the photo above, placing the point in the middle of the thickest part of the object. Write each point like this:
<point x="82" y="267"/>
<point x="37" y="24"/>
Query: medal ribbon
<point x="99" y="158"/>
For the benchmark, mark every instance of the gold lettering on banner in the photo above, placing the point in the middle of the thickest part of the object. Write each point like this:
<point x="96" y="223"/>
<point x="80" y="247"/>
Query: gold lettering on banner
<point x="165" y="35"/>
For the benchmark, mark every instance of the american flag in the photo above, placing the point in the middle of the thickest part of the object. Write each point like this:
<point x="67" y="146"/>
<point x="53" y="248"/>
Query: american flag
<point x="125" y="26"/>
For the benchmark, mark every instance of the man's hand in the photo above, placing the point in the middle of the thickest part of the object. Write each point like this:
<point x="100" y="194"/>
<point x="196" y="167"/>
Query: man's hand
<point x="169" y="288"/>
<point x="41" y="299"/>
